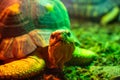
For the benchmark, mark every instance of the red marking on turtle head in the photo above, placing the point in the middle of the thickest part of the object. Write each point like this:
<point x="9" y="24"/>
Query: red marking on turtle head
<point x="60" y="49"/>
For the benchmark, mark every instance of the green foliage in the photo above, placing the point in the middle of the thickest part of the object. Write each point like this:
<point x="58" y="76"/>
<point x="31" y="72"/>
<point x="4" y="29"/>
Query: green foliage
<point x="103" y="40"/>
<point x="98" y="38"/>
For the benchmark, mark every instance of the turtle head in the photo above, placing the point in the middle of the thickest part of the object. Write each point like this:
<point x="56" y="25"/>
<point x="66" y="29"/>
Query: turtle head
<point x="60" y="36"/>
<point x="60" y="48"/>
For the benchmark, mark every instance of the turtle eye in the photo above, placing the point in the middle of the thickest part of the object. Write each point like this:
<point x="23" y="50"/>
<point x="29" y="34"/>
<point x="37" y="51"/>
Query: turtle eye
<point x="77" y="44"/>
<point x="68" y="34"/>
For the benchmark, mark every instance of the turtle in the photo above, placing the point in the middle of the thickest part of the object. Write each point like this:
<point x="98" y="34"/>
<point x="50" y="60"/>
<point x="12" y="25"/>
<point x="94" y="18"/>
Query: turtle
<point x="102" y="11"/>
<point x="35" y="34"/>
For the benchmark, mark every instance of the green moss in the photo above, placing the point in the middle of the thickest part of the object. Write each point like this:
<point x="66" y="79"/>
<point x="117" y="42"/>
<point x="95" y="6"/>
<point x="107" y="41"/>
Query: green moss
<point x="103" y="40"/>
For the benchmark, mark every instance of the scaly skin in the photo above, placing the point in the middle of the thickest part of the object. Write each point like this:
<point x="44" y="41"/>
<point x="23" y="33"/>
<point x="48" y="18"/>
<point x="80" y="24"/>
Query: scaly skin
<point x="99" y="10"/>
<point x="22" y="68"/>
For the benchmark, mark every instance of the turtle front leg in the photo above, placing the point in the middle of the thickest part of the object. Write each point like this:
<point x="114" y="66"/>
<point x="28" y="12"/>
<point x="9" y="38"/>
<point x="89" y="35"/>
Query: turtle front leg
<point x="82" y="57"/>
<point x="23" y="68"/>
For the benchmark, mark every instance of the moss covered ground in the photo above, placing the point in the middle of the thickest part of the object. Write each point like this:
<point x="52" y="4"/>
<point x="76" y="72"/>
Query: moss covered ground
<point x="105" y="41"/>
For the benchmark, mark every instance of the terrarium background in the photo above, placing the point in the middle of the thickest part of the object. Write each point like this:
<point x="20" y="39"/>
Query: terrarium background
<point x="105" y="41"/>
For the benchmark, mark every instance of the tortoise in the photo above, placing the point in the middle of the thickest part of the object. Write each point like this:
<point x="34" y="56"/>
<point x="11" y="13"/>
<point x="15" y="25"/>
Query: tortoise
<point x="35" y="34"/>
<point x="102" y="11"/>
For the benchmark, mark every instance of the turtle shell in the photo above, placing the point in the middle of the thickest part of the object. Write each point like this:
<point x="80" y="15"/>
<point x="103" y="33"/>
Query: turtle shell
<point x="89" y="9"/>
<point x="27" y="24"/>
<point x="50" y="14"/>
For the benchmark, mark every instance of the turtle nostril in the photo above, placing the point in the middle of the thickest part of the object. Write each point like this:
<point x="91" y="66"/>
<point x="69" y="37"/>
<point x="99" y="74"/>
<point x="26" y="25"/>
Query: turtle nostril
<point x="52" y="36"/>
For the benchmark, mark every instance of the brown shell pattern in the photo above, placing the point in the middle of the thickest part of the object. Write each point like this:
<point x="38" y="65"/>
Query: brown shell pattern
<point x="18" y="34"/>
